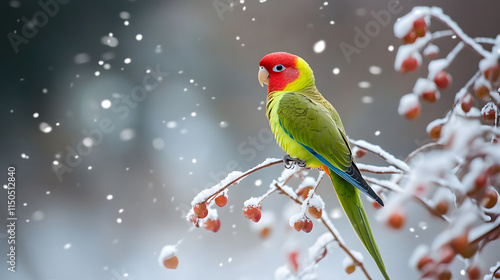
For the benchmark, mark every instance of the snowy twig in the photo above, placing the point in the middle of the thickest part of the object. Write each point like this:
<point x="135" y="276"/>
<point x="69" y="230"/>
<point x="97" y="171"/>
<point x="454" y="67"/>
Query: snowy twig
<point x="328" y="224"/>
<point x="438" y="14"/>
<point x="401" y="165"/>
<point x="208" y="194"/>
<point x="421" y="149"/>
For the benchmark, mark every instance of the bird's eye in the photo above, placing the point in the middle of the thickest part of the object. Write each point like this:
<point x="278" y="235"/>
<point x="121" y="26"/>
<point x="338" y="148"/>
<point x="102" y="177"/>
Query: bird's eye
<point x="278" y="68"/>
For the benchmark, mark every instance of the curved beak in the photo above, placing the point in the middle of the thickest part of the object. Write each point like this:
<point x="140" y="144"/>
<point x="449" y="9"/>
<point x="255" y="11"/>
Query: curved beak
<point x="263" y="76"/>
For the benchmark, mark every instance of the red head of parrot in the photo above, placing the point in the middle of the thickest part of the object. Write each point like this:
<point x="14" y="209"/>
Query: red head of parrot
<point x="278" y="70"/>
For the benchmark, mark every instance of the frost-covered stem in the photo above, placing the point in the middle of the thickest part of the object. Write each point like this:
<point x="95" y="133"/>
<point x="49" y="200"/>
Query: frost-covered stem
<point x="378" y="169"/>
<point x="339" y="241"/>
<point x="438" y="13"/>
<point x="441" y="34"/>
<point x="494" y="231"/>
<point x="421" y="149"/>
<point x="346" y="250"/>
<point x="495" y="271"/>
<point x="377" y="150"/>
<point x="485" y="40"/>
<point x="384" y="184"/>
<point x="212" y="196"/>
<point x="305" y="203"/>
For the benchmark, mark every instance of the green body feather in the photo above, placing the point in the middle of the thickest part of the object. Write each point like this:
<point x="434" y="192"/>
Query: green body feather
<point x="304" y="117"/>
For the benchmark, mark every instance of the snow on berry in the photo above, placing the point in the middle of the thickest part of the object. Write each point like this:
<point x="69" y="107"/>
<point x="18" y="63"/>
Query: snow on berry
<point x="404" y="24"/>
<point x="423" y="87"/>
<point x="431" y="50"/>
<point x="167" y="257"/>
<point x="409" y="106"/>
<point x="404" y="53"/>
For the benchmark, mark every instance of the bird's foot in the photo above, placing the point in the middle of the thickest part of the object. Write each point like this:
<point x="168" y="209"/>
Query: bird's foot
<point x="290" y="162"/>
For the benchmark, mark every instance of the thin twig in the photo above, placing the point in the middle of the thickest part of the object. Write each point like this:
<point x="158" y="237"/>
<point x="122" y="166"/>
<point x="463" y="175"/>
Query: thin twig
<point x="212" y="196"/>
<point x="421" y="149"/>
<point x="341" y="244"/>
<point x="439" y="15"/>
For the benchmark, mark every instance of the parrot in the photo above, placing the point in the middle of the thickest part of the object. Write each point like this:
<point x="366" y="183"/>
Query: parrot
<point x="308" y="128"/>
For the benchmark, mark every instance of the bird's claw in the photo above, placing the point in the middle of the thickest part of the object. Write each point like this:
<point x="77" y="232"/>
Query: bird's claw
<point x="290" y="162"/>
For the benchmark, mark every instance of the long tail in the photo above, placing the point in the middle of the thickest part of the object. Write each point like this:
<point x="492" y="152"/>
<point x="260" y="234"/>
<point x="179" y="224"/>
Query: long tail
<point x="351" y="203"/>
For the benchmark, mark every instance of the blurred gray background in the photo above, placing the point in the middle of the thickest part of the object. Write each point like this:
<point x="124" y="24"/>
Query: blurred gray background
<point x="126" y="195"/>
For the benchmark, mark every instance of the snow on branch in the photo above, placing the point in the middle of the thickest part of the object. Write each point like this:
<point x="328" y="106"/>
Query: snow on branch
<point x="401" y="165"/>
<point x="455" y="178"/>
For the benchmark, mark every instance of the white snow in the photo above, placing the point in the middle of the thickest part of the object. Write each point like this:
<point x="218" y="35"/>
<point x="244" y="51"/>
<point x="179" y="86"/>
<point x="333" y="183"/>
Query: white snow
<point x="405" y="23"/>
<point x="319" y="46"/>
<point x="382" y="153"/>
<point x="420" y="251"/>
<point x="405" y="51"/>
<point x="317" y="249"/>
<point x="434" y="123"/>
<point x="430" y="50"/>
<point x="378" y="169"/>
<point x="407" y="102"/>
<point x="45" y="127"/>
<point x="424" y="85"/>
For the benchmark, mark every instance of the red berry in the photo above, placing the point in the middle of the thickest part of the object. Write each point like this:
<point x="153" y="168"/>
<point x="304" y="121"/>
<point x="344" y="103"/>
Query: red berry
<point x="474" y="272"/>
<point x="497" y="274"/>
<point x="444" y="275"/>
<point x="494" y="169"/>
<point x="221" y="200"/>
<point x="257" y="216"/>
<point x="459" y="243"/>
<point x="410" y="38"/>
<point x="293" y="258"/>
<point x="200" y="208"/>
<point x="409" y="64"/>
<point x="435" y="132"/>
<point x="442" y="207"/>
<point x="467" y="102"/>
<point x="442" y="79"/>
<point x="492" y="73"/>
<point x="396" y="220"/>
<point x="481" y="180"/>
<point x="376" y="205"/>
<point x="470" y="250"/>
<point x="447" y="254"/>
<point x="212" y="225"/>
<point x="350" y="269"/>
<point x="360" y="153"/>
<point x="252" y="213"/>
<point x="483" y="92"/>
<point x="429" y="96"/>
<point x="304" y="192"/>
<point x="265" y="232"/>
<point x="489" y="115"/>
<point x="315" y="213"/>
<point x="299" y="225"/>
<point x="308" y="226"/>
<point x="425" y="260"/>
<point x="171" y="263"/>
<point x="413" y="113"/>
<point x="420" y="27"/>
<point x="490" y="198"/>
